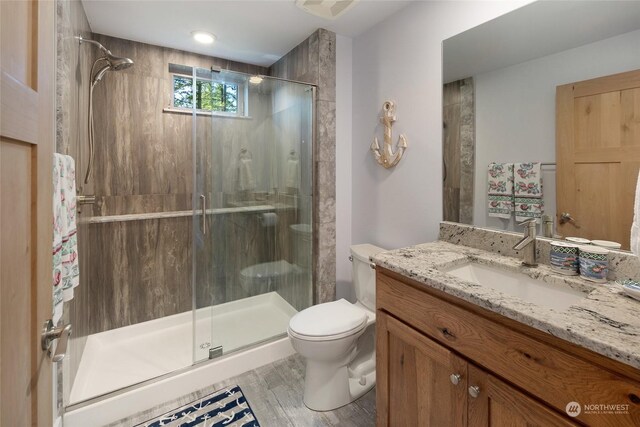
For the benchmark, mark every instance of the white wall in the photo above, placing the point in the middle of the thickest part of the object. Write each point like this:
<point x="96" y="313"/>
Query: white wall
<point x="401" y="59"/>
<point x="343" y="166"/>
<point x="515" y="110"/>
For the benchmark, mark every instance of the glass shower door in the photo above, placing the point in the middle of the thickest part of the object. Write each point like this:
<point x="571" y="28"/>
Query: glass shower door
<point x="252" y="208"/>
<point x="205" y="265"/>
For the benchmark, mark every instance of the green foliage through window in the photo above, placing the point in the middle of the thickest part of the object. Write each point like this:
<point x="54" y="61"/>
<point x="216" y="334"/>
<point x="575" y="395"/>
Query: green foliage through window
<point x="210" y="96"/>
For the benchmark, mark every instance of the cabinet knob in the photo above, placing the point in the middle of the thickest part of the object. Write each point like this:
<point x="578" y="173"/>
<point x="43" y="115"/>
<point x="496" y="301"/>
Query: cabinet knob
<point x="455" y="378"/>
<point x="474" y="391"/>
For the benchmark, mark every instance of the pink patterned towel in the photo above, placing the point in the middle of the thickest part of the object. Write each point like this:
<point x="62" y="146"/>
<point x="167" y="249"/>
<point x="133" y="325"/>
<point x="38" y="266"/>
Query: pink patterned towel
<point x="65" y="248"/>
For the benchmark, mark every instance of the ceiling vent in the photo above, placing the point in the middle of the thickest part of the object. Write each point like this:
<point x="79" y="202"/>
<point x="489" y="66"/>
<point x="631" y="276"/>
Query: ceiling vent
<point x="327" y="9"/>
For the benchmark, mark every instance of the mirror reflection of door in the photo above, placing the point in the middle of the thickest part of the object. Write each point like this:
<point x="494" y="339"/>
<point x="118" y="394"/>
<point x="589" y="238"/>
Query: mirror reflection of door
<point x="598" y="156"/>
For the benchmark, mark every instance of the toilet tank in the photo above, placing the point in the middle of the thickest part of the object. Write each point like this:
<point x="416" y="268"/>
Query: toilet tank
<point x="364" y="277"/>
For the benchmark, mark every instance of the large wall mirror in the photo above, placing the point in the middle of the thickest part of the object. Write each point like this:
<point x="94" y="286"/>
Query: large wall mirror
<point x="542" y="117"/>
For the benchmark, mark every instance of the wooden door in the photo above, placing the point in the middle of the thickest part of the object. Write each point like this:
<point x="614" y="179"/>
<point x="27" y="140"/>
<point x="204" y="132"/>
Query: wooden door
<point x="27" y="135"/>
<point x="498" y="404"/>
<point x="598" y="155"/>
<point x="413" y="379"/>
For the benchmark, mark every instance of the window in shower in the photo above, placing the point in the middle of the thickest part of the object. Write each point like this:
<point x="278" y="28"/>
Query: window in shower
<point x="214" y="96"/>
<point x="194" y="89"/>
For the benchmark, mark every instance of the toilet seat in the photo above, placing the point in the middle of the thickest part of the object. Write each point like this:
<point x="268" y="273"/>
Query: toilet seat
<point x="328" y="321"/>
<point x="268" y="270"/>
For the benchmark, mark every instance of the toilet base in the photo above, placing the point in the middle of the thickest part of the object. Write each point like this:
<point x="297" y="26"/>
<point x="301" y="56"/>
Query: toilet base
<point x="327" y="388"/>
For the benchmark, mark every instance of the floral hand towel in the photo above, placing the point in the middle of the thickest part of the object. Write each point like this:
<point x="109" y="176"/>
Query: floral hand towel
<point x="65" y="253"/>
<point x="500" y="190"/>
<point x="528" y="190"/>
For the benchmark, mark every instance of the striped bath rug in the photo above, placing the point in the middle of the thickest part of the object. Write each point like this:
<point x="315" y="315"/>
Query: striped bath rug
<point x="224" y="408"/>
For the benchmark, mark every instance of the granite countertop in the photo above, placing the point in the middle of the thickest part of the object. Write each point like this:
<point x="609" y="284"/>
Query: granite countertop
<point x="605" y="321"/>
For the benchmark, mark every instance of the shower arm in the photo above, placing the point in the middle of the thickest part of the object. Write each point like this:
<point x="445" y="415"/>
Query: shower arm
<point x="93" y="42"/>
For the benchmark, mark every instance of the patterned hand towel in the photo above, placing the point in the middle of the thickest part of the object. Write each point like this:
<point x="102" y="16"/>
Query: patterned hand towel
<point x="65" y="253"/>
<point x="528" y="190"/>
<point x="57" y="239"/>
<point x="500" y="190"/>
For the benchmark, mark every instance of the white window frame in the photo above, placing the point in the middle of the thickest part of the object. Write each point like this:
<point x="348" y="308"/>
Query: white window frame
<point x="242" y="98"/>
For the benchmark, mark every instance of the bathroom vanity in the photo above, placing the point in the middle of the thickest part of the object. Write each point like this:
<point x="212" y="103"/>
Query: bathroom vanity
<point x="454" y="352"/>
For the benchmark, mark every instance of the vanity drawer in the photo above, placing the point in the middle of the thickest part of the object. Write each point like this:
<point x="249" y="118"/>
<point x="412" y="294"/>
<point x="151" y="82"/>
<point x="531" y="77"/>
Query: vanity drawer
<point x="545" y="371"/>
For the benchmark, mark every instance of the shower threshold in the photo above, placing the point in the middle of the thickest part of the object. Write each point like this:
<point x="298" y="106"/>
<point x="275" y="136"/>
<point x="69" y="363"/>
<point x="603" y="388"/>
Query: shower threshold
<point x="133" y="354"/>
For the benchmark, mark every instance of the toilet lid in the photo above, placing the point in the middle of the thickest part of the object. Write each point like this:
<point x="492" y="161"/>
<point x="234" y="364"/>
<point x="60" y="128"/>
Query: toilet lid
<point x="331" y="318"/>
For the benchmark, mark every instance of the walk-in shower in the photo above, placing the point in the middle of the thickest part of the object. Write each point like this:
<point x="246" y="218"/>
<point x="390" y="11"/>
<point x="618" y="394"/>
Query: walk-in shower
<point x="200" y="241"/>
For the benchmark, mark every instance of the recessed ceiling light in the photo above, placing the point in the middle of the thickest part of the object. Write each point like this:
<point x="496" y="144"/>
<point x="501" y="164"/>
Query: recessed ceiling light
<point x="255" y="80"/>
<point x="203" y="37"/>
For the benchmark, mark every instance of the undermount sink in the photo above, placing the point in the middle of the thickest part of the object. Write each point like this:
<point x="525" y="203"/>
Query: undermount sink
<point x="518" y="285"/>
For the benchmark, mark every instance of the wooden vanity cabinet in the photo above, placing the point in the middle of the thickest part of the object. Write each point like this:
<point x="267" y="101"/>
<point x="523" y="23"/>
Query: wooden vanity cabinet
<point x="427" y="385"/>
<point x="418" y="387"/>
<point x="499" y="404"/>
<point x="434" y="349"/>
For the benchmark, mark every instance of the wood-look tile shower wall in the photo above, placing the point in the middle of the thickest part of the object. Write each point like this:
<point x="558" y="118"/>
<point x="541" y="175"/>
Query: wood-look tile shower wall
<point x="143" y="155"/>
<point x="140" y="269"/>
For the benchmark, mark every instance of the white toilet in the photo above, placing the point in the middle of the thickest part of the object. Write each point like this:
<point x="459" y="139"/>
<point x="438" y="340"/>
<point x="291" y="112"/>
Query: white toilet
<point x="337" y="339"/>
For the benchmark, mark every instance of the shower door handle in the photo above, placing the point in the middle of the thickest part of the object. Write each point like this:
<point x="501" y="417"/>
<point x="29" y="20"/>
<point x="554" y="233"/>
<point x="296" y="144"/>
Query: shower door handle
<point x="203" y="205"/>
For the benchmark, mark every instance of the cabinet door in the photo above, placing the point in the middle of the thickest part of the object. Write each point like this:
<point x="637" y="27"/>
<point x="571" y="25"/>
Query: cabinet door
<point x="414" y="384"/>
<point x="494" y="403"/>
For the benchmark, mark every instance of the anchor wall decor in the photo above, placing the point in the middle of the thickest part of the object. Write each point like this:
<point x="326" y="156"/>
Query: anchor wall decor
<point x="387" y="157"/>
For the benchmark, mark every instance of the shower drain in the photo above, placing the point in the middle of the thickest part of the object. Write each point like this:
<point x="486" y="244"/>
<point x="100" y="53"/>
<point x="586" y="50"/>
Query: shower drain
<point x="205" y="345"/>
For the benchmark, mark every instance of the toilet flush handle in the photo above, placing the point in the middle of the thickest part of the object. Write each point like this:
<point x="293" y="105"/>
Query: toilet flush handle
<point x="371" y="264"/>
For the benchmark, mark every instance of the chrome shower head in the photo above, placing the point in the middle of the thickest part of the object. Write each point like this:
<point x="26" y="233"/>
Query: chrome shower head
<point x="113" y="63"/>
<point x="116" y="63"/>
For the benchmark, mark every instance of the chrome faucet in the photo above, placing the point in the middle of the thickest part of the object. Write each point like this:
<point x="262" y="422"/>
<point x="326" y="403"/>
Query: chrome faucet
<point x="528" y="243"/>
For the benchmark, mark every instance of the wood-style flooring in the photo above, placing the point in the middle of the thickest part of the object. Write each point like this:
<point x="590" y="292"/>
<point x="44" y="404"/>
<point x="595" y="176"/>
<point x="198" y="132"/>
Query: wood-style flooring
<point x="274" y="392"/>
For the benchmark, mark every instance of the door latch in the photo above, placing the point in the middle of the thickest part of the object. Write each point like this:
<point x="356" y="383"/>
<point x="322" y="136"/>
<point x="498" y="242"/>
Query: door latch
<point x="50" y="334"/>
<point x="566" y="217"/>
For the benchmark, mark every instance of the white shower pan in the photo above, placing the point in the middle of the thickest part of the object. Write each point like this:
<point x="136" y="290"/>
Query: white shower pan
<point x="133" y="354"/>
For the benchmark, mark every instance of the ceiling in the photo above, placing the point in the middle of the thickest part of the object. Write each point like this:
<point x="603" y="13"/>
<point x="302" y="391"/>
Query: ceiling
<point x="255" y="32"/>
<point x="533" y="31"/>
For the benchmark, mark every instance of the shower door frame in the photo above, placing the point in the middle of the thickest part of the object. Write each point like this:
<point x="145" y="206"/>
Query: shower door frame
<point x="201" y="203"/>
